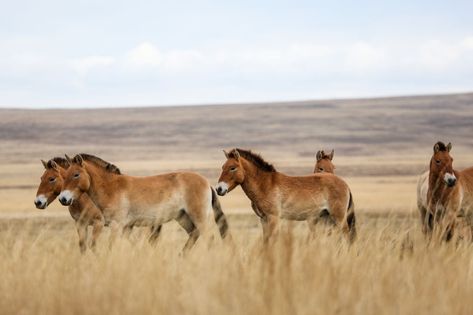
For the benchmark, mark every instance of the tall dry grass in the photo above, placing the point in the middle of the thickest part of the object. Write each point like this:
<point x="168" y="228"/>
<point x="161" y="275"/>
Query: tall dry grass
<point x="390" y="269"/>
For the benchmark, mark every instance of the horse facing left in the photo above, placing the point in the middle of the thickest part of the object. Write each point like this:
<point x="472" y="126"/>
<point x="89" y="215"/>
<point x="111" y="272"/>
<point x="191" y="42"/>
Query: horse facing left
<point x="152" y="201"/>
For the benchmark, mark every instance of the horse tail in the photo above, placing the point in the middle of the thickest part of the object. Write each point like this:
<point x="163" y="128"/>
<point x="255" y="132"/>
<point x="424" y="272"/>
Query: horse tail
<point x="219" y="216"/>
<point x="351" y="219"/>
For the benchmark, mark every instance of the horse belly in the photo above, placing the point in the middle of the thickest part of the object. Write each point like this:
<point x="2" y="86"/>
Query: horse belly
<point x="302" y="206"/>
<point x="153" y="214"/>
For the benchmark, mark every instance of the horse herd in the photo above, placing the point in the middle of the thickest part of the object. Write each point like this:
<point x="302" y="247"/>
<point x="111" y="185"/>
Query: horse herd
<point x="98" y="194"/>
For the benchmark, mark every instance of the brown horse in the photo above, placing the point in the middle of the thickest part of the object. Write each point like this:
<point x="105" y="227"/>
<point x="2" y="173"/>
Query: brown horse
<point x="82" y="210"/>
<point x="131" y="201"/>
<point x="450" y="193"/>
<point x="275" y="195"/>
<point x="324" y="162"/>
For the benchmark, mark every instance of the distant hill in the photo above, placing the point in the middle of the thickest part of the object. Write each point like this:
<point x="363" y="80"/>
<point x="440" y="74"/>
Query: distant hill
<point x="397" y="125"/>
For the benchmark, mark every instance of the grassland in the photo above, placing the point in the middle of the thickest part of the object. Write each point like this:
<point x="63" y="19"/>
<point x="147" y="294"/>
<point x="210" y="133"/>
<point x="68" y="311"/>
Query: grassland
<point x="381" y="145"/>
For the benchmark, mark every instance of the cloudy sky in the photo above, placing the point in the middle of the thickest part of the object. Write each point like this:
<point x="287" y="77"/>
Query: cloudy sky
<point x="134" y="53"/>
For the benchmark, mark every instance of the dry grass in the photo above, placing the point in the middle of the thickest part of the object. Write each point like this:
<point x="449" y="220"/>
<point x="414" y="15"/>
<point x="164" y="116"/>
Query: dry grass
<point x="389" y="270"/>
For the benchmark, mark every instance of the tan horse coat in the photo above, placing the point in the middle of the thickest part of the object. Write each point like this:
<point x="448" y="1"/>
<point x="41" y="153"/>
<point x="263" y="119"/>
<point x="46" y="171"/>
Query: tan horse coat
<point x="275" y="195"/>
<point x="450" y="193"/>
<point x="129" y="201"/>
<point x="82" y="210"/>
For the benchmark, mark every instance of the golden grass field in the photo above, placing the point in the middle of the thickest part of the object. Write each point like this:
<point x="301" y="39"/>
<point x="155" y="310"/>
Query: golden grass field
<point x="381" y="145"/>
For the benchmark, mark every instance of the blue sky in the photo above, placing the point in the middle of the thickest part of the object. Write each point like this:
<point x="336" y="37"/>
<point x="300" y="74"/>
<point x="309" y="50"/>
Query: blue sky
<point x="135" y="53"/>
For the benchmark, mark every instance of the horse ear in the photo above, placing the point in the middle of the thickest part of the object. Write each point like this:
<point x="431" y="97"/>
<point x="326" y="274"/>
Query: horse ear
<point x="45" y="164"/>
<point x="226" y="154"/>
<point x="78" y="159"/>
<point x="319" y="155"/>
<point x="449" y="146"/>
<point x="52" y="164"/>
<point x="236" y="154"/>
<point x="69" y="160"/>
<point x="436" y="148"/>
<point x="330" y="156"/>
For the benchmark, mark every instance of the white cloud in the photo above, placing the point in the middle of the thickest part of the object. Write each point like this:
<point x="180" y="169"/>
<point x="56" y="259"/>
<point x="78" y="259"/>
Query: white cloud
<point x="145" y="54"/>
<point x="209" y="73"/>
<point x="84" y="65"/>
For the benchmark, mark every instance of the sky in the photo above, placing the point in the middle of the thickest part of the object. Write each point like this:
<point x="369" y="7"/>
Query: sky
<point x="74" y="54"/>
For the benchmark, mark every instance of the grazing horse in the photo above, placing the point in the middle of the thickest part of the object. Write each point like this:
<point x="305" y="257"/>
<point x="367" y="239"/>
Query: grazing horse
<point x="324" y="162"/>
<point x="151" y="201"/>
<point x="450" y="193"/>
<point x="83" y="210"/>
<point x="275" y="195"/>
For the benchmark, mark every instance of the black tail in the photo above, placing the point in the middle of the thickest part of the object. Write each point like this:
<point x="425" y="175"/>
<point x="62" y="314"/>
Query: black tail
<point x="351" y="219"/>
<point x="219" y="216"/>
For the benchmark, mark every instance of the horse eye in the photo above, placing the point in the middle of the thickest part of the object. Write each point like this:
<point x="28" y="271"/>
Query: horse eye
<point x="76" y="175"/>
<point x="233" y="169"/>
<point x="52" y="179"/>
<point x="438" y="162"/>
<point x="321" y="169"/>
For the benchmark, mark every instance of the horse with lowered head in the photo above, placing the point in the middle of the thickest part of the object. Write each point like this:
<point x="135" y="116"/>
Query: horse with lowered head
<point x="276" y="196"/>
<point x="151" y="201"/>
<point x="450" y="194"/>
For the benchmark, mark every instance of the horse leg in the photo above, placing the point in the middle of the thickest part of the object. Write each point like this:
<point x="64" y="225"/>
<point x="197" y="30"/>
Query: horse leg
<point x="97" y="227"/>
<point x="186" y="223"/>
<point x="155" y="232"/>
<point x="270" y="225"/>
<point x="324" y="217"/>
<point x="114" y="232"/>
<point x="82" y="231"/>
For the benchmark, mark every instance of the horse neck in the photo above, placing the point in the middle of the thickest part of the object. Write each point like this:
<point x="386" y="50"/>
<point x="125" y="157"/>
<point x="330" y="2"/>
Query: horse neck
<point x="100" y="180"/>
<point x="437" y="191"/>
<point x="257" y="183"/>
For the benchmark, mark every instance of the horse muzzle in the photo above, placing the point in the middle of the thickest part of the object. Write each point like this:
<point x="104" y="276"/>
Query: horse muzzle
<point x="221" y="188"/>
<point x="450" y="179"/>
<point x="41" y="202"/>
<point x="65" y="198"/>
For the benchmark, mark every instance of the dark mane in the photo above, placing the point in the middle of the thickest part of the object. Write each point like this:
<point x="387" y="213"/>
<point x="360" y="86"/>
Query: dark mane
<point x="62" y="162"/>
<point x="254" y="158"/>
<point x="442" y="146"/>
<point x="109" y="167"/>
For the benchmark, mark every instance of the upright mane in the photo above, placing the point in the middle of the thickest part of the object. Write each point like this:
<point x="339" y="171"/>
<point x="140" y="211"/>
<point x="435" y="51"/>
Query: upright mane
<point x="441" y="146"/>
<point x="109" y="167"/>
<point x="62" y="162"/>
<point x="254" y="158"/>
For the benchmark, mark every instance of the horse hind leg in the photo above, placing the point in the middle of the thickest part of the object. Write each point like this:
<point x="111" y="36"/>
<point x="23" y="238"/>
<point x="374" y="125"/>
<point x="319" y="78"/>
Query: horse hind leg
<point x="186" y="223"/>
<point x="155" y="232"/>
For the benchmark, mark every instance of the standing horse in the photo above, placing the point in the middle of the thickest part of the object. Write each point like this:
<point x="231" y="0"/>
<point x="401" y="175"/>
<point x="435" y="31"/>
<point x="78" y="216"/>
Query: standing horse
<point x="450" y="193"/>
<point x="275" y="195"/>
<point x="131" y="201"/>
<point x="83" y="210"/>
<point x="324" y="162"/>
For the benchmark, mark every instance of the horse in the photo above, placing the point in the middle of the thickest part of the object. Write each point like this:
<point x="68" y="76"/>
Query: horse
<point x="276" y="196"/>
<point x="450" y="193"/>
<point x="129" y="201"/>
<point x="324" y="162"/>
<point x="83" y="210"/>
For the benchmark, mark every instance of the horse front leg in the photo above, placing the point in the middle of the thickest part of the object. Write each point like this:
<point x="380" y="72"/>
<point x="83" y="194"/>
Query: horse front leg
<point x="270" y="224"/>
<point x="81" y="227"/>
<point x="97" y="227"/>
